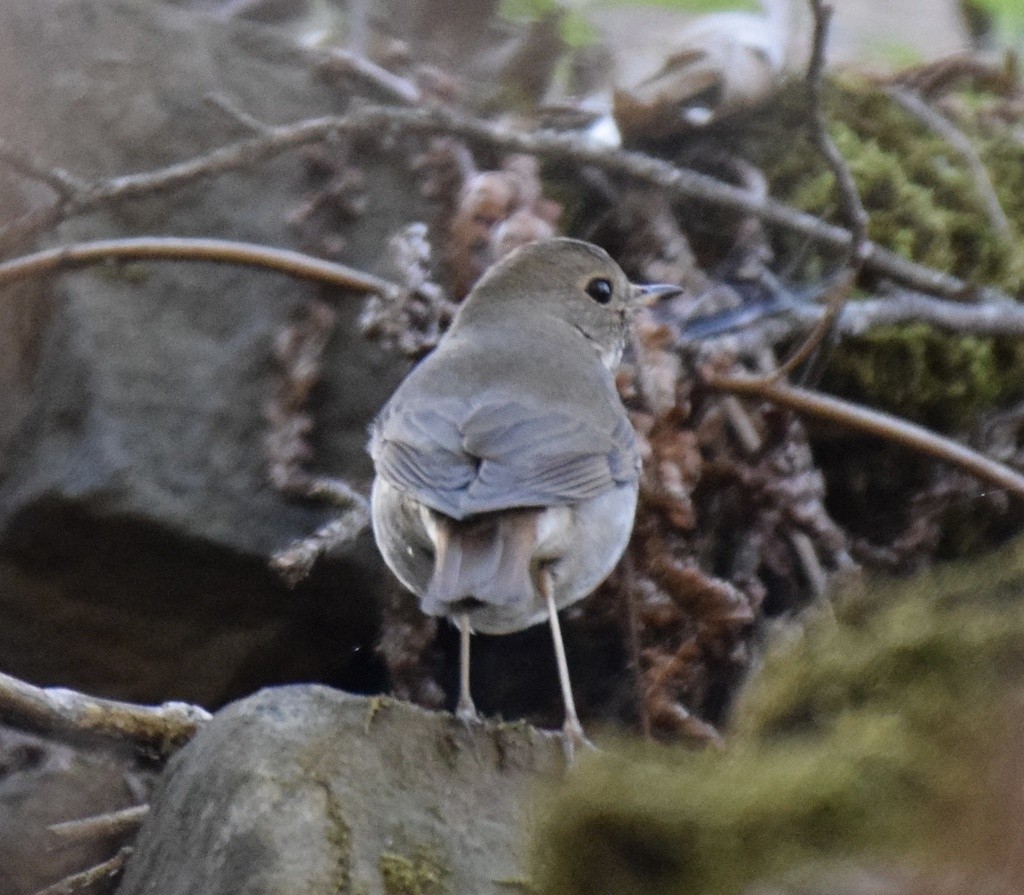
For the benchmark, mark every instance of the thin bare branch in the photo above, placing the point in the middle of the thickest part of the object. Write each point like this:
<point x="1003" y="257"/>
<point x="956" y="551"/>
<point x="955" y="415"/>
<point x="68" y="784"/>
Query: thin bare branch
<point x="914" y="104"/>
<point x="343" y="63"/>
<point x="57" y="179"/>
<point x="680" y="183"/>
<point x="994" y="318"/>
<point x="89" y="880"/>
<point x="853" y="210"/>
<point x="825" y="327"/>
<point x="230" y="110"/>
<point x="68" y="714"/>
<point x="873" y="422"/>
<point x="167" y="248"/>
<point x="295" y="563"/>
<point x="231" y="157"/>
<point x="112" y="823"/>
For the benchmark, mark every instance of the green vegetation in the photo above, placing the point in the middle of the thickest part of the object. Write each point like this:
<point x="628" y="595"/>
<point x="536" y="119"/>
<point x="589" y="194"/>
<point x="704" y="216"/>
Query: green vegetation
<point x="864" y="741"/>
<point x="420" y="874"/>
<point x="923" y="204"/>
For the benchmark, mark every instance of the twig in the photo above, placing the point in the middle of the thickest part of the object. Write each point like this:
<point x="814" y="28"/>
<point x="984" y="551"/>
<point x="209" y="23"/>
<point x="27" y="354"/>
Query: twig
<point x="823" y="330"/>
<point x="914" y="104"/>
<point x="231" y="157"/>
<point x="112" y="823"/>
<point x="296" y="562"/>
<point x="678" y="182"/>
<point x="632" y="613"/>
<point x="751" y="443"/>
<point x="339" y="62"/>
<point x="939" y="76"/>
<point x="853" y="210"/>
<point x="230" y="109"/>
<point x="167" y="248"/>
<point x="873" y="422"/>
<point x="996" y="318"/>
<point x="65" y="713"/>
<point x="57" y="179"/>
<point x="88" y="880"/>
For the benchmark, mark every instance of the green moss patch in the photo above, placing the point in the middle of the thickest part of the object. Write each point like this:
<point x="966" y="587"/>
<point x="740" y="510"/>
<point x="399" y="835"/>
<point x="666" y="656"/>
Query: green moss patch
<point x="862" y="740"/>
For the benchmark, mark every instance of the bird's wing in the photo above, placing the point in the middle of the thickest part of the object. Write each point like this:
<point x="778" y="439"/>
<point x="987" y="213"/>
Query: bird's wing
<point x="462" y="457"/>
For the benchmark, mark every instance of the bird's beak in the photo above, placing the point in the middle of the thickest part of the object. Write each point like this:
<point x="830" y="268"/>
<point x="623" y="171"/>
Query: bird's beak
<point x="652" y="293"/>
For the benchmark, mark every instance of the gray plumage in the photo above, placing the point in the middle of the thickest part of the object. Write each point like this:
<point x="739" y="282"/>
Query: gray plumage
<point x="508" y="449"/>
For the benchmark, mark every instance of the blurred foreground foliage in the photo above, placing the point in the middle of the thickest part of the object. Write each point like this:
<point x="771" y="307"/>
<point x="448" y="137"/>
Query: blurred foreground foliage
<point x="878" y="738"/>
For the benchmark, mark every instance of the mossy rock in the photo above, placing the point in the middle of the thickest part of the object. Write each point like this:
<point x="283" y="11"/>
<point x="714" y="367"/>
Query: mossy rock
<point x="923" y="204"/>
<point x="862" y="740"/>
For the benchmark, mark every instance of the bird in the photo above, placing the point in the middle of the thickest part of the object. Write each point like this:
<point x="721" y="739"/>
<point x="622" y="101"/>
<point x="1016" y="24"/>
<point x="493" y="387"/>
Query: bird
<point x="506" y="468"/>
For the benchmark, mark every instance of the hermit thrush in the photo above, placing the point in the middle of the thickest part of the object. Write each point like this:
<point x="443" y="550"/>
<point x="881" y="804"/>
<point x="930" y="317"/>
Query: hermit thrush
<point x="507" y="469"/>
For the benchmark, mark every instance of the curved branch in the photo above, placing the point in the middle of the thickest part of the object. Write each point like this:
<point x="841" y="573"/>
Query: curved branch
<point x="169" y="248"/>
<point x="872" y="422"/>
<point x="681" y="183"/>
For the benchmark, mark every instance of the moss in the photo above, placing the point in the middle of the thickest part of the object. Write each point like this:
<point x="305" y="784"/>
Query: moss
<point x="339" y="837"/>
<point x="420" y="874"/>
<point x="922" y="204"/>
<point x="376" y="706"/>
<point x="862" y="740"/>
<point x="928" y="376"/>
<point x="917" y="190"/>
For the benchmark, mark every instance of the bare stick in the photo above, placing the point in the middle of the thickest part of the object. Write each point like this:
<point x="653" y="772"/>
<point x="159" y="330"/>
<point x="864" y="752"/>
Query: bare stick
<point x="873" y="422"/>
<point x="65" y="713"/>
<point x="167" y="248"/>
<point x="852" y="208"/>
<point x="853" y="211"/>
<point x="994" y="318"/>
<point x="229" y="108"/>
<point x="632" y="612"/>
<point x="60" y="181"/>
<point x="344" y="63"/>
<point x="296" y="563"/>
<point x="825" y="325"/>
<point x="113" y="823"/>
<point x="914" y="104"/>
<point x="678" y="182"/>
<point x="89" y="879"/>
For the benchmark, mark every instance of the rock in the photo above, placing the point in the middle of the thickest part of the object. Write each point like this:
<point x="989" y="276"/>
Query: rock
<point x="307" y="789"/>
<point x="43" y="783"/>
<point x="133" y="495"/>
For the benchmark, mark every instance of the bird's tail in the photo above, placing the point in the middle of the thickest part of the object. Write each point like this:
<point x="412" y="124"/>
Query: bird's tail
<point x="487" y="557"/>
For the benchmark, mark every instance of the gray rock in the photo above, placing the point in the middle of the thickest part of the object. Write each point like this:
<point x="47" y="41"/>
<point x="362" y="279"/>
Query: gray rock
<point x="306" y="789"/>
<point x="151" y="387"/>
<point x="43" y="783"/>
<point x="133" y="494"/>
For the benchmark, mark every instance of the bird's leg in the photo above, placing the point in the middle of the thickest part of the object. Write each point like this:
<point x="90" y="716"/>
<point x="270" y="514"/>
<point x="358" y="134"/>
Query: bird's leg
<point x="572" y="730"/>
<point x="465" y="710"/>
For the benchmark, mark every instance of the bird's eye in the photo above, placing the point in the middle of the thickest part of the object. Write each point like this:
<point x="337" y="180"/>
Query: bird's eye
<point x="600" y="290"/>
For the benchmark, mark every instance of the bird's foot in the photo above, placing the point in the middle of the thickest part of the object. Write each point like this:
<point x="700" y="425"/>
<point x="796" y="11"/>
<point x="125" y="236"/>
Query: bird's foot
<point x="466" y="711"/>
<point x="574" y="740"/>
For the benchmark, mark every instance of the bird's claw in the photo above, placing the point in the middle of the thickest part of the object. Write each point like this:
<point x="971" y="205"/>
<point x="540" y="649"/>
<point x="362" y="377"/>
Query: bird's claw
<point x="574" y="740"/>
